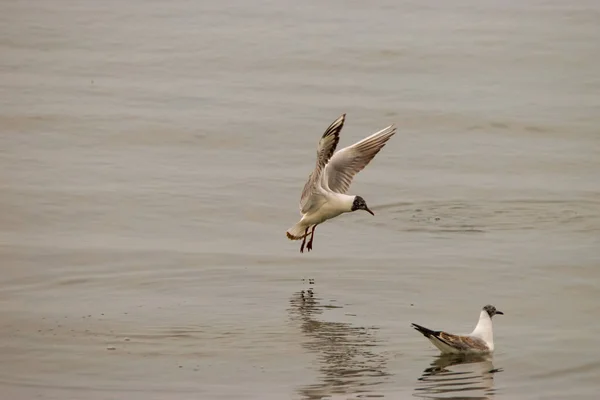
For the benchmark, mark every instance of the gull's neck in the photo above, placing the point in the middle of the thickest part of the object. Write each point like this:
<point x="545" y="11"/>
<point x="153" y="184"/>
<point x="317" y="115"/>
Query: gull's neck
<point x="343" y="201"/>
<point x="484" y="329"/>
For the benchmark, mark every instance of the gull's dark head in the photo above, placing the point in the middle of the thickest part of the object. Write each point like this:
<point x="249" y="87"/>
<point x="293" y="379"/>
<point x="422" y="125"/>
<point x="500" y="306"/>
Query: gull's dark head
<point x="360" y="204"/>
<point x="491" y="310"/>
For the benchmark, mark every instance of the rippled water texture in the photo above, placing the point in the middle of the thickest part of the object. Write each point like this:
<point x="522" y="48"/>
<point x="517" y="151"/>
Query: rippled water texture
<point x="152" y="156"/>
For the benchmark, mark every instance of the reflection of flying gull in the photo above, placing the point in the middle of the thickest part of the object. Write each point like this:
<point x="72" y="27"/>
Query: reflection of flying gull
<point x="349" y="357"/>
<point x="324" y="195"/>
<point x="481" y="340"/>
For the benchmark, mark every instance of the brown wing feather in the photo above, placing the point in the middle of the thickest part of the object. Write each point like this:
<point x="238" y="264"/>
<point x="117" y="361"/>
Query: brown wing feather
<point x="463" y="343"/>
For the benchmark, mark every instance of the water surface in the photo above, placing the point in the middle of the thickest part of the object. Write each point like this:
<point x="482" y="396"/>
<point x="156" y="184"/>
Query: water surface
<point x="152" y="156"/>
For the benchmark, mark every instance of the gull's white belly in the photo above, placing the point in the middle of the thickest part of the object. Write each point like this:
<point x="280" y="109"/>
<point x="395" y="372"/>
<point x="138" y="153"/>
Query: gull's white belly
<point x="327" y="211"/>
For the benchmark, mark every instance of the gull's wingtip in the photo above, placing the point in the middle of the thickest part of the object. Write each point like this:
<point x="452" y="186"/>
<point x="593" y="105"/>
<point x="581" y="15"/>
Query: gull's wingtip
<point x="392" y="129"/>
<point x="388" y="132"/>
<point x="341" y="118"/>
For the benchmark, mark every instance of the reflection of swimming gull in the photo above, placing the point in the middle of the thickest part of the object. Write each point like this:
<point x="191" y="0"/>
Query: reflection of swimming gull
<point x="449" y="374"/>
<point x="348" y="361"/>
<point x="324" y="194"/>
<point x="481" y="340"/>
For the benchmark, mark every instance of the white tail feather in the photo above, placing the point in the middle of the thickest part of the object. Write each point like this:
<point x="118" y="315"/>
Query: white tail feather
<point x="297" y="231"/>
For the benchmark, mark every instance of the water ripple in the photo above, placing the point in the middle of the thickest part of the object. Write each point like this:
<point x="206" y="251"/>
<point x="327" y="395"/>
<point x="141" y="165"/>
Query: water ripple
<point x="347" y="355"/>
<point x="454" y="377"/>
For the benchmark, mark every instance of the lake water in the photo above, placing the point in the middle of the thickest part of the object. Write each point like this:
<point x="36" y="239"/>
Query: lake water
<point x="152" y="156"/>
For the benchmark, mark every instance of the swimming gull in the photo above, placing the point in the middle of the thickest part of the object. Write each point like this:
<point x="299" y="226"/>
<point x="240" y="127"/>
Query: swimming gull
<point x="481" y="340"/>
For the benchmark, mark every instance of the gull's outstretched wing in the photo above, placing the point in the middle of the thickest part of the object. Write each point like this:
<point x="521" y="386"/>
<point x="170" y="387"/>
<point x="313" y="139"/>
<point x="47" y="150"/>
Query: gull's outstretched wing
<point x="325" y="150"/>
<point x="349" y="161"/>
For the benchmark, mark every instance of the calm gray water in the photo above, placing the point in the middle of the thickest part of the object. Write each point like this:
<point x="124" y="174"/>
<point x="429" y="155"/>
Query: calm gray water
<point x="152" y="156"/>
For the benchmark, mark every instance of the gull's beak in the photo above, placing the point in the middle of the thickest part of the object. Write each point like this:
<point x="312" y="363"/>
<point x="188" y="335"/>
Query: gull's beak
<point x="499" y="312"/>
<point x="369" y="211"/>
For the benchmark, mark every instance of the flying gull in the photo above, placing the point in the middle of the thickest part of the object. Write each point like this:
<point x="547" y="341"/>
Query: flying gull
<point x="324" y="194"/>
